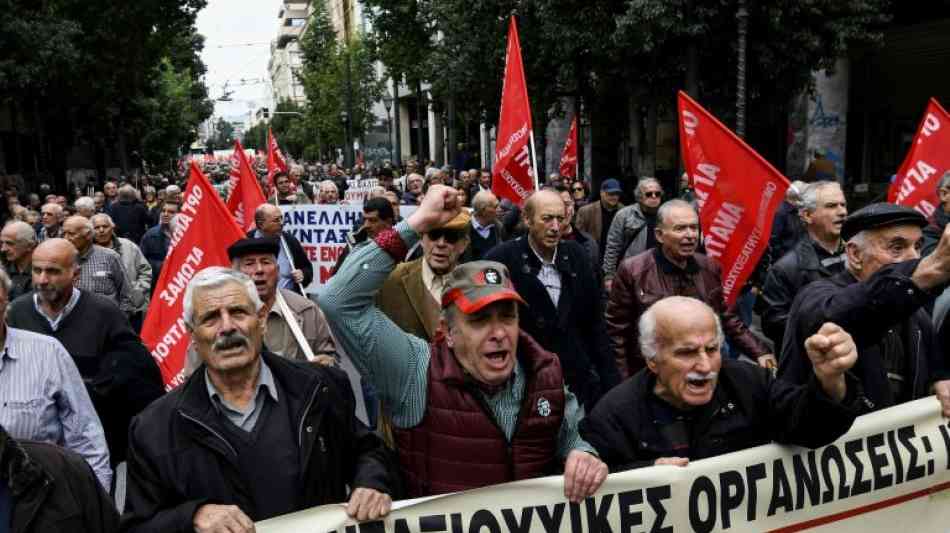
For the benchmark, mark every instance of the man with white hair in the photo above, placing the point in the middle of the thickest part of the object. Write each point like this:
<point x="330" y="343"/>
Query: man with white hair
<point x="633" y="229"/>
<point x="485" y="231"/>
<point x="85" y="206"/>
<point x="250" y="435"/>
<point x="100" y="269"/>
<point x="137" y="269"/>
<point x="691" y="404"/>
<point x="329" y="193"/>
<point x="51" y="218"/>
<point x="173" y="194"/>
<point x="17" y="241"/>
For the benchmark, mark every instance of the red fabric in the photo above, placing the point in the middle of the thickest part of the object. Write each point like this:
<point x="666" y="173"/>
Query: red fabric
<point x="391" y="243"/>
<point x="737" y="191"/>
<point x="569" y="154"/>
<point x="513" y="176"/>
<point x="246" y="194"/>
<point x="928" y="158"/>
<point x="275" y="160"/>
<point x="459" y="446"/>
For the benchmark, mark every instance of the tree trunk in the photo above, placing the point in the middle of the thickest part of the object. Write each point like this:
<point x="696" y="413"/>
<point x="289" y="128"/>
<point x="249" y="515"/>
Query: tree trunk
<point x="397" y="156"/>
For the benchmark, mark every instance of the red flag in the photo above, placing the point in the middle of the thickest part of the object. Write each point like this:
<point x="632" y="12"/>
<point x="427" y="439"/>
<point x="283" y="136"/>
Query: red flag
<point x="275" y="159"/>
<point x="569" y="154"/>
<point x="204" y="231"/>
<point x="927" y="160"/>
<point x="737" y="191"/>
<point x="513" y="176"/>
<point x="246" y="194"/>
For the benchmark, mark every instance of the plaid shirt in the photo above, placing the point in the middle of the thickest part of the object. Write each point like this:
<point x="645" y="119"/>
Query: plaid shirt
<point x="101" y="272"/>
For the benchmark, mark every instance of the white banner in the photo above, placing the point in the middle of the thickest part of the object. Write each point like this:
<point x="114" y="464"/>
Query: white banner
<point x="889" y="473"/>
<point x="322" y="231"/>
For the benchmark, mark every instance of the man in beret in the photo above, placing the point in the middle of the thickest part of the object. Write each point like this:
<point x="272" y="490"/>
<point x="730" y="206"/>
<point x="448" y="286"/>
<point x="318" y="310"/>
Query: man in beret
<point x="879" y="299"/>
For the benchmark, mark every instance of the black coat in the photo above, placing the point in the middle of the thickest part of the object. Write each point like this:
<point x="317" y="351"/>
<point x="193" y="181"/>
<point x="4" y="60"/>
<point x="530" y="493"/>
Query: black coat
<point x="794" y="270"/>
<point x="177" y="463"/>
<point x="575" y="330"/>
<point x="131" y="219"/>
<point x="299" y="257"/>
<point x="54" y="490"/>
<point x="867" y="310"/>
<point x="933" y="231"/>
<point x="749" y="408"/>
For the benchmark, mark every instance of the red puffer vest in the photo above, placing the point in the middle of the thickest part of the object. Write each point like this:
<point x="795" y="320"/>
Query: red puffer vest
<point x="459" y="446"/>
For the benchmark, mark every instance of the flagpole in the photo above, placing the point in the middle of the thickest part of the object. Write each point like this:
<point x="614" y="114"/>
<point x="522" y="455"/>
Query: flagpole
<point x="534" y="159"/>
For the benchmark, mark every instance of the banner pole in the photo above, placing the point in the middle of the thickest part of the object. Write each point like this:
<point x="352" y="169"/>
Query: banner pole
<point x="534" y="159"/>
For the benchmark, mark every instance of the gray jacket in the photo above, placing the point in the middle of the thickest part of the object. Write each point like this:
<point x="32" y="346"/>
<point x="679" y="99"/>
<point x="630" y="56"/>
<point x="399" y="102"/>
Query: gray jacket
<point x="137" y="270"/>
<point x="624" y="238"/>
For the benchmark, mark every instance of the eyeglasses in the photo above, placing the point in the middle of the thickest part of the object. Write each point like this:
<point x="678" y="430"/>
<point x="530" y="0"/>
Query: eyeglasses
<point x="578" y="189"/>
<point x="653" y="194"/>
<point x="451" y="236"/>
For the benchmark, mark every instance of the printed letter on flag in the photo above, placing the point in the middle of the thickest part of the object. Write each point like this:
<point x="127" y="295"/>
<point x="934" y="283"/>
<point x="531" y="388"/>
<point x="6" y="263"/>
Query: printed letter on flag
<point x="513" y="176"/>
<point x="569" y="154"/>
<point x="927" y="160"/>
<point x="275" y="160"/>
<point x="201" y="237"/>
<point x="246" y="194"/>
<point x="737" y="191"/>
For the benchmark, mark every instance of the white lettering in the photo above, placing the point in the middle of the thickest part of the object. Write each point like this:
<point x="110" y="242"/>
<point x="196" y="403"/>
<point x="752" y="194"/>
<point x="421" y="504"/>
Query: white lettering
<point x="690" y="122"/>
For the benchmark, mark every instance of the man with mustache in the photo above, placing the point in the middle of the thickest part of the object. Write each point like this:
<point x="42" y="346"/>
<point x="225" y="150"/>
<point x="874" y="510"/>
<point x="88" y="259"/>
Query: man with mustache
<point x="691" y="404"/>
<point x="820" y="255"/>
<point x="564" y="308"/>
<point x="482" y="403"/>
<point x="674" y="268"/>
<point x="250" y="435"/>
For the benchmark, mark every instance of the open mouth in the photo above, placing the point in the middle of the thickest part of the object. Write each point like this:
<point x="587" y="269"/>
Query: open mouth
<point x="497" y="358"/>
<point x="698" y="385"/>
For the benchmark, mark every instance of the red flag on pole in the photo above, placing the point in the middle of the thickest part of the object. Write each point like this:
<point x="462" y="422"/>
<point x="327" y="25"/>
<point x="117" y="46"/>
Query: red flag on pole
<point x="201" y="237"/>
<point x="246" y="194"/>
<point x="927" y="160"/>
<point x="569" y="154"/>
<point x="514" y="175"/>
<point x="275" y="159"/>
<point x="737" y="191"/>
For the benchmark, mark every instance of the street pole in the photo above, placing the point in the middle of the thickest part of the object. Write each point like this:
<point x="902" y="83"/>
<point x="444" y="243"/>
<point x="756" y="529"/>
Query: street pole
<point x="348" y="151"/>
<point x="397" y="157"/>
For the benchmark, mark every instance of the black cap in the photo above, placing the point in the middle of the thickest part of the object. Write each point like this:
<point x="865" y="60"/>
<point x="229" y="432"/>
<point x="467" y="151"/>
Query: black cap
<point x="253" y="246"/>
<point x="880" y="215"/>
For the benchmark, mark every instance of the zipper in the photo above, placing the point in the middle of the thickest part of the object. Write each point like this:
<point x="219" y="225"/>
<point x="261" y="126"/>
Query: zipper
<point x="209" y="430"/>
<point x="306" y="411"/>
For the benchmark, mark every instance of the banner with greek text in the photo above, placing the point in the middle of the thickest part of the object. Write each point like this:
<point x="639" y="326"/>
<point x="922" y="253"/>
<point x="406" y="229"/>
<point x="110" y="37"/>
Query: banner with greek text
<point x="889" y="473"/>
<point x="737" y="191"/>
<point x="928" y="158"/>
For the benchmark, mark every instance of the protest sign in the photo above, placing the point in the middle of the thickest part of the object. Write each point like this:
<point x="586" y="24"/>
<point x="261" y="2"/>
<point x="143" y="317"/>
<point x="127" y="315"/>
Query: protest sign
<point x="928" y="158"/>
<point x="889" y="473"/>
<point x="358" y="190"/>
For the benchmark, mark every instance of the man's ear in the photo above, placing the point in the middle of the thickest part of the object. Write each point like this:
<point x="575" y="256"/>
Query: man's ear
<point x="651" y="364"/>
<point x="854" y="256"/>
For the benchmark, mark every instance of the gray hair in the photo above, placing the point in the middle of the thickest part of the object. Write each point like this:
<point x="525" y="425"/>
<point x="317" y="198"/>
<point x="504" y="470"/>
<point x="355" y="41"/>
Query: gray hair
<point x="944" y="180"/>
<point x="809" y="196"/>
<point x="481" y="200"/>
<point x="638" y="192"/>
<point x="669" y="205"/>
<point x="85" y="202"/>
<point x="214" y="277"/>
<point x="860" y="241"/>
<point x="86" y="223"/>
<point x="127" y="192"/>
<point x="172" y="189"/>
<point x="102" y="215"/>
<point x="25" y="234"/>
<point x="5" y="282"/>
<point x="647" y="326"/>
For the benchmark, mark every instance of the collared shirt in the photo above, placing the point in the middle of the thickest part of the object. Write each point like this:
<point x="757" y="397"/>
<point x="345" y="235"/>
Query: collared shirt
<point x="285" y="279"/>
<point x="21" y="280"/>
<point x="549" y="276"/>
<point x="434" y="283"/>
<point x="280" y="339"/>
<point x="101" y="272"/>
<point x="55" y="321"/>
<point x="245" y="418"/>
<point x="397" y="364"/>
<point x="483" y="231"/>
<point x="43" y="398"/>
<point x="55" y="232"/>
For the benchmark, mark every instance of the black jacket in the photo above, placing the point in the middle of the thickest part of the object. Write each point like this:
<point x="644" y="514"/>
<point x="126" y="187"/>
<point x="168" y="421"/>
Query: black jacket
<point x="154" y="247"/>
<point x="300" y="259"/>
<point x="794" y="270"/>
<point x="131" y="219"/>
<point x="867" y="310"/>
<point x="54" y="490"/>
<point x="575" y="330"/>
<point x="749" y="408"/>
<point x="933" y="231"/>
<point x="177" y="463"/>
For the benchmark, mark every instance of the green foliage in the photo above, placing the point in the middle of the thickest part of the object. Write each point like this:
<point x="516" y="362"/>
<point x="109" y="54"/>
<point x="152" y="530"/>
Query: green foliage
<point x="178" y="105"/>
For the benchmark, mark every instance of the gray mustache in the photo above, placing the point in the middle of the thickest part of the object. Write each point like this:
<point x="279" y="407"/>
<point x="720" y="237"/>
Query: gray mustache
<point x="231" y="340"/>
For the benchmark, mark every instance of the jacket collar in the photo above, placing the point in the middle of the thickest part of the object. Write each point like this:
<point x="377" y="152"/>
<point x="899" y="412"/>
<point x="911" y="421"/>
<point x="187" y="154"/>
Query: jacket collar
<point x="17" y="469"/>
<point x="532" y="263"/>
<point x="668" y="267"/>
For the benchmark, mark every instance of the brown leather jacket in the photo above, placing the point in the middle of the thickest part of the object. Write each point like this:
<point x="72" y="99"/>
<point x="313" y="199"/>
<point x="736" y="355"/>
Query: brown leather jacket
<point x="643" y="279"/>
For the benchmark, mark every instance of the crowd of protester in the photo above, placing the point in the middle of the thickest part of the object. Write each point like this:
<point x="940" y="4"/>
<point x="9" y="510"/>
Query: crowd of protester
<point x="571" y="335"/>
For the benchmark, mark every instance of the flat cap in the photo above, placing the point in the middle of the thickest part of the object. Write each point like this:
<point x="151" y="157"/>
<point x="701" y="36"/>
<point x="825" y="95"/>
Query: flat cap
<point x="880" y="215"/>
<point x="244" y="247"/>
<point x="473" y="285"/>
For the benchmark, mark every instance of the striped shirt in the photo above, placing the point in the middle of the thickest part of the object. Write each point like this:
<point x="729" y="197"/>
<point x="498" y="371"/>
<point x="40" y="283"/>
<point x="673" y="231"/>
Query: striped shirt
<point x="101" y="272"/>
<point x="43" y="398"/>
<point x="397" y="363"/>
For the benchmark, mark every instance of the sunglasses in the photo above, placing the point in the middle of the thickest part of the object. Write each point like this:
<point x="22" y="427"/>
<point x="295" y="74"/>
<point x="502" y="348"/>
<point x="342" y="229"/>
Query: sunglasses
<point x="451" y="236"/>
<point x="653" y="194"/>
<point x="578" y="189"/>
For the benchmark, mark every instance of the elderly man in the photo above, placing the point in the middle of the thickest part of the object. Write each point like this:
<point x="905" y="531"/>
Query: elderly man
<point x="156" y="240"/>
<point x="285" y="193"/>
<point x="257" y="258"/>
<point x="85" y="206"/>
<point x="486" y="230"/>
<point x="250" y="435"/>
<point x="137" y="269"/>
<point x="596" y="217"/>
<point x="412" y="295"/>
<point x="328" y="193"/>
<point x="17" y="241"/>
<point x="43" y="395"/>
<point x="633" y="230"/>
<point x="129" y="214"/>
<point x="173" y="194"/>
<point x="570" y="232"/>
<point x="483" y="403"/>
<point x="51" y="218"/>
<point x="563" y="308"/>
<point x="100" y="269"/>
<point x="880" y="299"/>
<point x="296" y="271"/>
<point x="119" y="373"/>
<point x="111" y="192"/>
<point x="674" y="268"/>
<point x="820" y="255"/>
<point x="691" y="404"/>
<point x="939" y="218"/>
<point x="414" y="185"/>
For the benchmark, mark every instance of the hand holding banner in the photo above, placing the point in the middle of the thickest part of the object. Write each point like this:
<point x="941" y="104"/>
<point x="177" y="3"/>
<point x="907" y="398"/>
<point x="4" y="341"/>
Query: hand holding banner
<point x="737" y="191"/>
<point x="927" y="160"/>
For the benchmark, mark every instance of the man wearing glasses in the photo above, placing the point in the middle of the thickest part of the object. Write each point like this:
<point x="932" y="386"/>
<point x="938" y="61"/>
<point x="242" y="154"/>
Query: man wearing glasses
<point x="633" y="229"/>
<point x="51" y="218"/>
